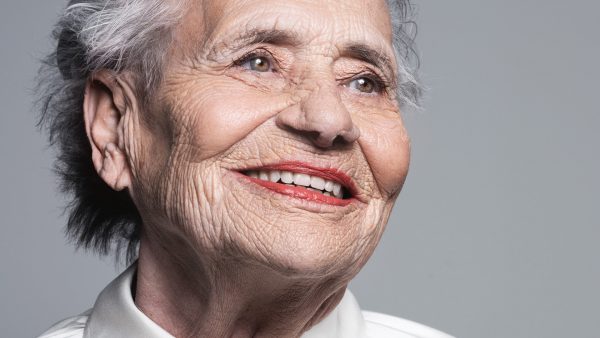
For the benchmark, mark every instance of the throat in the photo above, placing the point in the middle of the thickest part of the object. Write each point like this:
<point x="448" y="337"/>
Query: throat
<point x="231" y="299"/>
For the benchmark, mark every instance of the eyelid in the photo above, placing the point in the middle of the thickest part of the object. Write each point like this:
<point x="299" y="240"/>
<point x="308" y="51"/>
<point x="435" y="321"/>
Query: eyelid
<point x="382" y="85"/>
<point x="379" y="76"/>
<point x="259" y="52"/>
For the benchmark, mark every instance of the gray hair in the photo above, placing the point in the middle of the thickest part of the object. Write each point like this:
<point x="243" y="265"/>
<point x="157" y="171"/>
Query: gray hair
<point x="404" y="31"/>
<point x="132" y="35"/>
<point x="117" y="35"/>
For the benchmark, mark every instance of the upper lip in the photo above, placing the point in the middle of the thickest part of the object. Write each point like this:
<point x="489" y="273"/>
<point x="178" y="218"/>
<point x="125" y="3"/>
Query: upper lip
<point x="329" y="173"/>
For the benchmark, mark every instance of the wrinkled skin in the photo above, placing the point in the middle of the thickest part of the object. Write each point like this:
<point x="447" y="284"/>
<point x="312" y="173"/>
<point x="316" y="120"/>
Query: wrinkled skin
<point x="219" y="255"/>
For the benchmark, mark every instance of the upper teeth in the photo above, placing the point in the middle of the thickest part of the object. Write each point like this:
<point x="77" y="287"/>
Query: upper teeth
<point x="327" y="187"/>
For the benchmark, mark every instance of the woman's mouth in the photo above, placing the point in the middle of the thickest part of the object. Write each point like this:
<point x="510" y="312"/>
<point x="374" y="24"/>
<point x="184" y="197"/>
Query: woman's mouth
<point x="304" y="182"/>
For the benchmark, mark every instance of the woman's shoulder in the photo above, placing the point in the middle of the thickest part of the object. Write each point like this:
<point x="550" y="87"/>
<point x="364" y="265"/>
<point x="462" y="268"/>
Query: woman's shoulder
<point x="382" y="325"/>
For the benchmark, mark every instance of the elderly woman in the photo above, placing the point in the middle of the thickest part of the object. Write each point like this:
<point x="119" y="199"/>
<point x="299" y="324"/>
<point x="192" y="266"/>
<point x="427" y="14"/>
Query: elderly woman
<point x="248" y="153"/>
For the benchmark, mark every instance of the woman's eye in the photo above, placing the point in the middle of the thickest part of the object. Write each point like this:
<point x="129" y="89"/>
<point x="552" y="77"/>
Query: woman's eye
<point x="258" y="64"/>
<point x="363" y="84"/>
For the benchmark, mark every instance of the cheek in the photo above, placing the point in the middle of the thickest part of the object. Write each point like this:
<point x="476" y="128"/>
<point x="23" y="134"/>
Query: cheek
<point x="386" y="146"/>
<point x="216" y="118"/>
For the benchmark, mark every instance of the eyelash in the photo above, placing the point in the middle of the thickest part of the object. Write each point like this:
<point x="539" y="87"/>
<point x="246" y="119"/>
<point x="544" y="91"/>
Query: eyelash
<point x="257" y="53"/>
<point x="382" y="85"/>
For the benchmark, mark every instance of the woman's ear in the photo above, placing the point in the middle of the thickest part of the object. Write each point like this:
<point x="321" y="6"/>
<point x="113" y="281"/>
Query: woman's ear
<point x="105" y="107"/>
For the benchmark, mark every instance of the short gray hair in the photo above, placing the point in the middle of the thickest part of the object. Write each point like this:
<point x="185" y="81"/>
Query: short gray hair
<point x="117" y="35"/>
<point x="134" y="36"/>
<point x="404" y="30"/>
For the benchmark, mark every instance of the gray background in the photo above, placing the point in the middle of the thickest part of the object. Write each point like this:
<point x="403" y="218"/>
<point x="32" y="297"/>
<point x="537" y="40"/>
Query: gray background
<point x="496" y="232"/>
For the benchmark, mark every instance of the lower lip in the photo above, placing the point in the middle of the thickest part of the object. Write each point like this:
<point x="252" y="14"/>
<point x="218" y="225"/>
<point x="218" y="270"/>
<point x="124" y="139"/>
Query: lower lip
<point x="298" y="192"/>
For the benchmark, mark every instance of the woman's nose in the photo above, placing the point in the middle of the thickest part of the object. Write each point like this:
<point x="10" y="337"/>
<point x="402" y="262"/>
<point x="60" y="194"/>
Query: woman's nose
<point x="322" y="117"/>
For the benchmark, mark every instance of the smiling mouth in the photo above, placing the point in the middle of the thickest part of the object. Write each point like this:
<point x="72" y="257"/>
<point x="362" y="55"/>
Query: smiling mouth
<point x="301" y="181"/>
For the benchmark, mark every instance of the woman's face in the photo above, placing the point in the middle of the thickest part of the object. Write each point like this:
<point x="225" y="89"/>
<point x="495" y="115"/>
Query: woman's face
<point x="256" y="92"/>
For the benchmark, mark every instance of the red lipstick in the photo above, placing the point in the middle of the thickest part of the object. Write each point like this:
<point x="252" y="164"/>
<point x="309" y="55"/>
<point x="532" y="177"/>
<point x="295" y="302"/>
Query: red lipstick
<point x="303" y="192"/>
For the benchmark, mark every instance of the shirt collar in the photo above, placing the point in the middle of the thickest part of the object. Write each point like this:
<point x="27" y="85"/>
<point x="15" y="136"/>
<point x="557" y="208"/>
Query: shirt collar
<point x="116" y="315"/>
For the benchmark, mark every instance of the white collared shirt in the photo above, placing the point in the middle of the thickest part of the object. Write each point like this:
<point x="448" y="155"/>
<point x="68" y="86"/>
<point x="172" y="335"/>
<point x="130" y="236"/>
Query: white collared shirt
<point x="115" y="315"/>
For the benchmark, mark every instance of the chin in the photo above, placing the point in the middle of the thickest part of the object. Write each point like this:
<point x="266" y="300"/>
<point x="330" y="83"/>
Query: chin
<point x="307" y="257"/>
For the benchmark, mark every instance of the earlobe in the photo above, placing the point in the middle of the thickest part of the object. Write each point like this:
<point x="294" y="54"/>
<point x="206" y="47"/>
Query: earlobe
<point x="104" y="109"/>
<point x="113" y="170"/>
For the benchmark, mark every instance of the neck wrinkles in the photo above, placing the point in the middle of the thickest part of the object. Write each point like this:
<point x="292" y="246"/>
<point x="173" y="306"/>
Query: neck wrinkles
<point x="191" y="296"/>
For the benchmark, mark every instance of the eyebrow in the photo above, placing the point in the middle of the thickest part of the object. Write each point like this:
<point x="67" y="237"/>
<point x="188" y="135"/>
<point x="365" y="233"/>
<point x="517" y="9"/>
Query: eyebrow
<point x="371" y="56"/>
<point x="256" y="36"/>
<point x="356" y="50"/>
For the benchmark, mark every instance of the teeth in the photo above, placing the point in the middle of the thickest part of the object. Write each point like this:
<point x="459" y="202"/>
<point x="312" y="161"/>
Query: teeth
<point x="302" y="179"/>
<point x="337" y="190"/>
<point x="313" y="183"/>
<point x="317" y="182"/>
<point x="287" y="177"/>
<point x="263" y="175"/>
<point x="274" y="176"/>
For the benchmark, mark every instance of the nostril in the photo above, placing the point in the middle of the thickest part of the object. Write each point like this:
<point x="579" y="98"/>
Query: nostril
<point x="324" y="140"/>
<point x="339" y="140"/>
<point x="351" y="135"/>
<point x="323" y="127"/>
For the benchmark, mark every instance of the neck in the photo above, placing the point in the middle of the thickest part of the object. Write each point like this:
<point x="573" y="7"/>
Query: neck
<point x="191" y="296"/>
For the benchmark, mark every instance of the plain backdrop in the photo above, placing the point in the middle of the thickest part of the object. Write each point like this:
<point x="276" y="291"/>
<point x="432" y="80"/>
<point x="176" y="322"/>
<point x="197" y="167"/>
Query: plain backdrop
<point x="497" y="231"/>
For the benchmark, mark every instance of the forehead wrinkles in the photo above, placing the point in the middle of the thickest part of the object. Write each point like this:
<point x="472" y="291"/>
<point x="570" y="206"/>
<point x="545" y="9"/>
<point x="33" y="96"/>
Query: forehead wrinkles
<point x="321" y="26"/>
